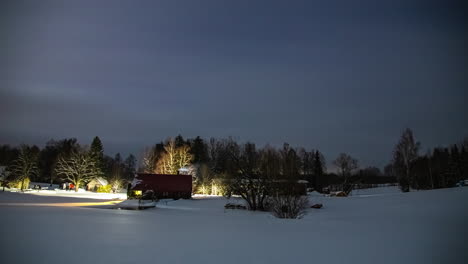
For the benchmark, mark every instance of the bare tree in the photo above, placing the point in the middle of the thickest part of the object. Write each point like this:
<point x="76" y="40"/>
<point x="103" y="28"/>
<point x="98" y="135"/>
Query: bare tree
<point x="284" y="197"/>
<point x="148" y="160"/>
<point x="78" y="168"/>
<point x="265" y="178"/>
<point x="173" y="158"/>
<point x="184" y="157"/>
<point x="405" y="153"/>
<point x="289" y="205"/>
<point x="346" y="164"/>
<point x="245" y="177"/>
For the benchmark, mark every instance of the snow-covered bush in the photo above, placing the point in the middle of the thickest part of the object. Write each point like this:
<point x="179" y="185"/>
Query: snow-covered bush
<point x="288" y="206"/>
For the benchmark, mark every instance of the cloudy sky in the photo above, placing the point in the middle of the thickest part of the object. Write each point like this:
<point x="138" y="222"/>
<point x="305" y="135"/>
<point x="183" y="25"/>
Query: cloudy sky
<point x="340" y="76"/>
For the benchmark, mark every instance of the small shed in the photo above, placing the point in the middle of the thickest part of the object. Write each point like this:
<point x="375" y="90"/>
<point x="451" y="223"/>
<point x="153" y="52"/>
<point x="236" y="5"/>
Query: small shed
<point x="96" y="183"/>
<point x="173" y="186"/>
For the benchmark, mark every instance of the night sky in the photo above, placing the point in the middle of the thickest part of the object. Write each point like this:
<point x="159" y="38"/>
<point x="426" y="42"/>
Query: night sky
<point x="340" y="76"/>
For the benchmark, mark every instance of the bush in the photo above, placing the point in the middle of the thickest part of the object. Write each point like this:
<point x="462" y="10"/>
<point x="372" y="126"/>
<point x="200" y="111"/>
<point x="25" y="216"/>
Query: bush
<point x="104" y="189"/>
<point x="19" y="183"/>
<point x="288" y="206"/>
<point x="404" y="184"/>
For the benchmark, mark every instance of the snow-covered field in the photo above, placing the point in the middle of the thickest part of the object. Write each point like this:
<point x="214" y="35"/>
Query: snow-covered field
<point x="80" y="194"/>
<point x="372" y="226"/>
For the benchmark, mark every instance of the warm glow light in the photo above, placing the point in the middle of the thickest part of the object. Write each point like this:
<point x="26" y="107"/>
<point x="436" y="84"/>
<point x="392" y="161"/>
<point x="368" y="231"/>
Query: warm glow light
<point x="62" y="204"/>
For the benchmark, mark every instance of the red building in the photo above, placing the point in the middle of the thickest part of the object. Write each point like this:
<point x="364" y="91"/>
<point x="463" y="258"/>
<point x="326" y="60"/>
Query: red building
<point x="163" y="185"/>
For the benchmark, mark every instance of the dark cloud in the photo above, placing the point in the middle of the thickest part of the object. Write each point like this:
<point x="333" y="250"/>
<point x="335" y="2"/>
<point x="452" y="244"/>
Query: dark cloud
<point x="335" y="75"/>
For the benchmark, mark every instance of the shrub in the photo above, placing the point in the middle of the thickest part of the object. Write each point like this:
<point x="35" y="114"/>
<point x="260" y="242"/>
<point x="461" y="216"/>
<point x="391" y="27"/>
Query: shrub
<point x="104" y="189"/>
<point x="17" y="183"/>
<point x="288" y="206"/>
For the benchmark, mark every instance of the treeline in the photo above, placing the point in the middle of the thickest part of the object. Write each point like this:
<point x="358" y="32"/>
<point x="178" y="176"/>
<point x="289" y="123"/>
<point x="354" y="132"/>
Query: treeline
<point x="209" y="161"/>
<point x="65" y="161"/>
<point x="212" y="159"/>
<point x="442" y="167"/>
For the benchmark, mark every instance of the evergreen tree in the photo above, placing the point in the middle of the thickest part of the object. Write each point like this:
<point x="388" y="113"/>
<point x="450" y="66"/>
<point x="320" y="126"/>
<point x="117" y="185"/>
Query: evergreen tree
<point x="456" y="163"/>
<point x="199" y="150"/>
<point x="452" y="170"/>
<point x="318" y="166"/>
<point x="118" y="159"/>
<point x="97" y="154"/>
<point x="23" y="168"/>
<point x="179" y="141"/>
<point x="46" y="162"/>
<point x="7" y="155"/>
<point x="130" y="167"/>
<point x="464" y="162"/>
<point x="97" y="148"/>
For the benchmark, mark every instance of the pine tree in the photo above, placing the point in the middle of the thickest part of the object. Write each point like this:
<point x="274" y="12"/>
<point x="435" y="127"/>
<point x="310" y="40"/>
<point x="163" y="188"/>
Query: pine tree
<point x="130" y="167"/>
<point x="97" y="148"/>
<point x="199" y="150"/>
<point x="179" y="141"/>
<point x="318" y="171"/>
<point x="24" y="167"/>
<point x="464" y="162"/>
<point x="454" y="166"/>
<point x="97" y="154"/>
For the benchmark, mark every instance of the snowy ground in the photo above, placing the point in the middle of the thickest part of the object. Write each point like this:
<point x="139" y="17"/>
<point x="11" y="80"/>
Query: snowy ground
<point x="80" y="194"/>
<point x="372" y="226"/>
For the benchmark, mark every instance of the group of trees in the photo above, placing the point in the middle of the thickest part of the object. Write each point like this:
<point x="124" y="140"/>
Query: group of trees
<point x="168" y="157"/>
<point x="209" y="160"/>
<point x="64" y="161"/>
<point x="262" y="177"/>
<point x="441" y="168"/>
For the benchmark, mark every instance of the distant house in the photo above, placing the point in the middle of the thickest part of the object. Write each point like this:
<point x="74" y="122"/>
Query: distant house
<point x="96" y="183"/>
<point x="163" y="185"/>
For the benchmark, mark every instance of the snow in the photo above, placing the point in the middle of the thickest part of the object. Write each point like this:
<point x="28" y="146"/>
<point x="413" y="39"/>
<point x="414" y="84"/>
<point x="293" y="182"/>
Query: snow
<point x="135" y="182"/>
<point x="373" y="226"/>
<point x="80" y="194"/>
<point x="134" y="204"/>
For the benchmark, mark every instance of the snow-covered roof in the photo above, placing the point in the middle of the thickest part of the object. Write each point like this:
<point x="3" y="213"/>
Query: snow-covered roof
<point x="135" y="182"/>
<point x="102" y="181"/>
